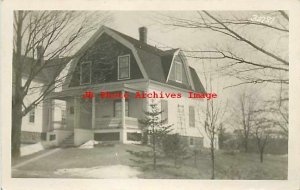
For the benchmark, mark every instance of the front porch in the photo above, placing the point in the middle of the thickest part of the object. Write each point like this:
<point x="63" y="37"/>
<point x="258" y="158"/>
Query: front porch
<point x="100" y="119"/>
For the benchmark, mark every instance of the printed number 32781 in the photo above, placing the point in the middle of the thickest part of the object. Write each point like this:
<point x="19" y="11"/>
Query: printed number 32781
<point x="262" y="19"/>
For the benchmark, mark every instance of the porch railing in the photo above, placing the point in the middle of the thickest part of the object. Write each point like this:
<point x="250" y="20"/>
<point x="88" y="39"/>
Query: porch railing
<point x="131" y="122"/>
<point x="114" y="122"/>
<point x="59" y="125"/>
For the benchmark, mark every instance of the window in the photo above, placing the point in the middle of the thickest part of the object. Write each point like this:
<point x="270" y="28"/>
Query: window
<point x="118" y="108"/>
<point x="32" y="115"/>
<point x="52" y="137"/>
<point x="134" y="136"/>
<point x="85" y="72"/>
<point x="114" y="136"/>
<point x="123" y="67"/>
<point x="63" y="116"/>
<point x="164" y="109"/>
<point x="178" y="72"/>
<point x="43" y="136"/>
<point x="180" y="117"/>
<point x="192" y="116"/>
<point x="192" y="141"/>
<point x="71" y="110"/>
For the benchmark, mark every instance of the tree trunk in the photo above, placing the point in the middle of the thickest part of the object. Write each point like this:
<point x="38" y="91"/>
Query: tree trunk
<point x="18" y="92"/>
<point x="154" y="157"/>
<point x="195" y="158"/>
<point x="246" y="144"/>
<point x="212" y="150"/>
<point x="16" y="130"/>
<point x="261" y="156"/>
<point x="154" y="149"/>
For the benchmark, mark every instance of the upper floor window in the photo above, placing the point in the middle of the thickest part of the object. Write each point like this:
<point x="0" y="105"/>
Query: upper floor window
<point x="85" y="72"/>
<point x="123" y="67"/>
<point x="32" y="115"/>
<point x="178" y="72"/>
<point x="192" y="116"/>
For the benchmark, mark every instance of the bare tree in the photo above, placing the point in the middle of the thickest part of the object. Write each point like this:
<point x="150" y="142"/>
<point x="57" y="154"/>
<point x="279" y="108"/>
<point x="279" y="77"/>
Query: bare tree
<point x="246" y="111"/>
<point x="38" y="35"/>
<point x="278" y="110"/>
<point x="272" y="63"/>
<point x="214" y="115"/>
<point x="262" y="135"/>
<point x="255" y="50"/>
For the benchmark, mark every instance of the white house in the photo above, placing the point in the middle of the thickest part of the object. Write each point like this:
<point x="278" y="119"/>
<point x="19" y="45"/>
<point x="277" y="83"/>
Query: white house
<point x="116" y="63"/>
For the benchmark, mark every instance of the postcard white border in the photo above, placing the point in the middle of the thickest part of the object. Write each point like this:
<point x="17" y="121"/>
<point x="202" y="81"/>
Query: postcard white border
<point x="7" y="6"/>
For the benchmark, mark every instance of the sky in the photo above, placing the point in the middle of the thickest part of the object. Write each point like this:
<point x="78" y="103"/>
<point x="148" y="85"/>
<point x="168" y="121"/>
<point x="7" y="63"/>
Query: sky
<point x="165" y="36"/>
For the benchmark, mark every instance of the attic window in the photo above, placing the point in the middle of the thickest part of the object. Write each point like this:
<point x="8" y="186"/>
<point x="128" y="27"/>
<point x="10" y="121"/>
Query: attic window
<point x="123" y="67"/>
<point x="178" y="72"/>
<point x="85" y="72"/>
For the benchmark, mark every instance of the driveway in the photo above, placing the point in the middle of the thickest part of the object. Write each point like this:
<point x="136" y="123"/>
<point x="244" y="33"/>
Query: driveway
<point x="99" y="162"/>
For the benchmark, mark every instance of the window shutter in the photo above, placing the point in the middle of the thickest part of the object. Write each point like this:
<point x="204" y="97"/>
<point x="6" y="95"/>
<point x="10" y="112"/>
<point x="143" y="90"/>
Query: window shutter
<point x="164" y="109"/>
<point x="192" y="116"/>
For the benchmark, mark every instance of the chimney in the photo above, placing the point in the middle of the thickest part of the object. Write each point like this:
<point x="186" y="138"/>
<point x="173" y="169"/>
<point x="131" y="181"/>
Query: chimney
<point x="143" y="34"/>
<point x="40" y="54"/>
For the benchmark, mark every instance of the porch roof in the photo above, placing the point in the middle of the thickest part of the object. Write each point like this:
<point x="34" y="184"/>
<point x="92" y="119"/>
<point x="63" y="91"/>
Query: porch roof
<point x="108" y="87"/>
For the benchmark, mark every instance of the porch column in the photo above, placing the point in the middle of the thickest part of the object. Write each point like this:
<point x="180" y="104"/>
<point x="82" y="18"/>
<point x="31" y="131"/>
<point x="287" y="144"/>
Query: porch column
<point x="77" y="112"/>
<point x="50" y="115"/>
<point x="93" y="112"/>
<point x="123" y="133"/>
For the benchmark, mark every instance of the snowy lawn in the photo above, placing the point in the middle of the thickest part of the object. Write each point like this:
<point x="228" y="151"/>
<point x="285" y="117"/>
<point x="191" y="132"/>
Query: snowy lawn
<point x="114" y="171"/>
<point x="110" y="161"/>
<point x="31" y="148"/>
<point x="114" y="162"/>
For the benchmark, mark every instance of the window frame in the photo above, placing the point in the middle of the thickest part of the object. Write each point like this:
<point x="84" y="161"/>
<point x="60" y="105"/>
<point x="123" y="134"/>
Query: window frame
<point x="164" y="113"/>
<point x="193" y="140"/>
<point x="194" y="117"/>
<point x="30" y="115"/>
<point x="181" y="121"/>
<point x="64" y="116"/>
<point x="71" y="110"/>
<point x="127" y="55"/>
<point x="119" y="101"/>
<point x="90" y="64"/>
<point x="176" y="67"/>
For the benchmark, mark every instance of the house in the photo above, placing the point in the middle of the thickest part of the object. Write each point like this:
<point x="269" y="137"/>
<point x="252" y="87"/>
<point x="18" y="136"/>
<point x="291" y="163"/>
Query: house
<point x="114" y="62"/>
<point x="35" y="124"/>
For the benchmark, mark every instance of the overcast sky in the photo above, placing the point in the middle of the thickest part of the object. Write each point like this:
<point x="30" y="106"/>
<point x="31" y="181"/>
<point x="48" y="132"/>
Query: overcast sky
<point x="164" y="37"/>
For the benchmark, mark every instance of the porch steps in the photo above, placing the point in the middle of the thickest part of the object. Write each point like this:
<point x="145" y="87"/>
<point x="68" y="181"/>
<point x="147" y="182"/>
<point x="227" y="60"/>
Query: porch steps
<point x="68" y="142"/>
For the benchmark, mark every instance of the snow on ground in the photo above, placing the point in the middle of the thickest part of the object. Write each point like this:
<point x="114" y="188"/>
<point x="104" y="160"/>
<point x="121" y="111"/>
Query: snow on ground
<point x="88" y="144"/>
<point x="114" y="171"/>
<point x="30" y="149"/>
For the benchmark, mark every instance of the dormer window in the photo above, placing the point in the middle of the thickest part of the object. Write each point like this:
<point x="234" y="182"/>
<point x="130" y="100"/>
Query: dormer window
<point x="178" y="72"/>
<point x="85" y="72"/>
<point x="123" y="67"/>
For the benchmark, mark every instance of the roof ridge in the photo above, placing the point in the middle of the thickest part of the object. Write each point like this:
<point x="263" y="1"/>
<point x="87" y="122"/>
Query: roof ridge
<point x="139" y="44"/>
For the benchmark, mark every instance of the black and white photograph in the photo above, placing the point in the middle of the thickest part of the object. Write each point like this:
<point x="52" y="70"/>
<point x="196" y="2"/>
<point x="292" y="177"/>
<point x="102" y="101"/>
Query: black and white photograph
<point x="150" y="94"/>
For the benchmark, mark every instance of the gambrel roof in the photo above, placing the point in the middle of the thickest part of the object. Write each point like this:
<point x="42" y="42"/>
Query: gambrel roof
<point x="155" y="64"/>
